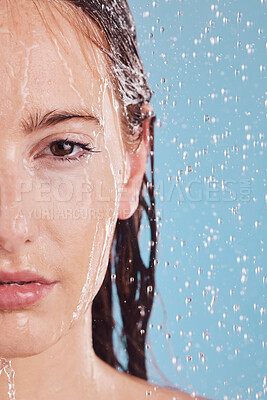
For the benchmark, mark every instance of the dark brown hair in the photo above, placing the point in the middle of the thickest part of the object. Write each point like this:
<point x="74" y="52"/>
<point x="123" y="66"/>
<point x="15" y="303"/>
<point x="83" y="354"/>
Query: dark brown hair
<point x="134" y="281"/>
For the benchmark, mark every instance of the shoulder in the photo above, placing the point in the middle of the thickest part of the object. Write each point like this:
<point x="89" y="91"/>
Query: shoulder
<point x="163" y="393"/>
<point x="143" y="390"/>
<point x="122" y="385"/>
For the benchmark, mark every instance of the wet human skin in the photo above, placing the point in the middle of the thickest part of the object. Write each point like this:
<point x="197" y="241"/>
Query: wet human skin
<point x="58" y="215"/>
<point x="63" y="166"/>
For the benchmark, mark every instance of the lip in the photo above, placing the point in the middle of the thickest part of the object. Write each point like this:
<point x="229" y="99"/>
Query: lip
<point x="22" y="289"/>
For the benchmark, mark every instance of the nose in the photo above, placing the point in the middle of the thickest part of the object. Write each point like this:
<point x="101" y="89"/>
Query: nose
<point x="17" y="228"/>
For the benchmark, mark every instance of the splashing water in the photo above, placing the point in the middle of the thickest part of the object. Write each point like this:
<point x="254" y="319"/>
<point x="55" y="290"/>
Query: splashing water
<point x="10" y="373"/>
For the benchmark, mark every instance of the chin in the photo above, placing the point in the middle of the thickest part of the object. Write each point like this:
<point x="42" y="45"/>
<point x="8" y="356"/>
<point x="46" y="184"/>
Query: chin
<point x="9" y="353"/>
<point x="23" y="336"/>
<point x="18" y="347"/>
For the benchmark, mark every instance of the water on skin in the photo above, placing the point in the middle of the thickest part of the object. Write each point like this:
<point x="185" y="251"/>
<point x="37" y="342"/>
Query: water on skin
<point x="112" y="220"/>
<point x="69" y="72"/>
<point x="86" y="288"/>
<point x="85" y="296"/>
<point x="6" y="367"/>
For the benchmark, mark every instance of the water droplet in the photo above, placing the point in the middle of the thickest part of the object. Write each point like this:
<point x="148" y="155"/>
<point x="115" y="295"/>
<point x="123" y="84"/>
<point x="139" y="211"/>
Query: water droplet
<point x="168" y="336"/>
<point x="206" y="335"/>
<point x="237" y="351"/>
<point x="236" y="307"/>
<point x="179" y="368"/>
<point x="239" y="17"/>
<point x="149" y="289"/>
<point x="262" y="311"/>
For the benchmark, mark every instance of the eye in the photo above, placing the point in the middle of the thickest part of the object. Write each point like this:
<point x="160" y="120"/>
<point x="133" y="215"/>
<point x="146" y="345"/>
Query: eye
<point x="66" y="150"/>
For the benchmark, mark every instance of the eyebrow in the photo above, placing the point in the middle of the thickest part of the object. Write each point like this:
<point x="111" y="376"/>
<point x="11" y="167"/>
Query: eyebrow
<point x="37" y="120"/>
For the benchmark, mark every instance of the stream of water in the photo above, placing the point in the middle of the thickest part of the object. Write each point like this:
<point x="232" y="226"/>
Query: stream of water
<point x="6" y="366"/>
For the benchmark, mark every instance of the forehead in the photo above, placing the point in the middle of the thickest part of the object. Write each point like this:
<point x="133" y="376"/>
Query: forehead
<point x="44" y="57"/>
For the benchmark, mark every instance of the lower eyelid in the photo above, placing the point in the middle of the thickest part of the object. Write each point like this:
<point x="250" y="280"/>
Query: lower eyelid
<point x="52" y="161"/>
<point x="60" y="159"/>
<point x="73" y="158"/>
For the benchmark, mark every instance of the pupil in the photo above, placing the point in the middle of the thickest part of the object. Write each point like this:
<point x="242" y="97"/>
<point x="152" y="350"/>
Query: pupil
<point x="61" y="148"/>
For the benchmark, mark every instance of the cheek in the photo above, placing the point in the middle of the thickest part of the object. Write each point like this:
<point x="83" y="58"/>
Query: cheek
<point x="84" y="207"/>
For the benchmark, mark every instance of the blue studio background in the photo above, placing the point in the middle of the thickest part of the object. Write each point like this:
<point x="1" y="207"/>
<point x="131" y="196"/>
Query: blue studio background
<point x="206" y="63"/>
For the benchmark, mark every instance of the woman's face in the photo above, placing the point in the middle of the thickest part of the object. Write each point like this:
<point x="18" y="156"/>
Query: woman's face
<point x="59" y="201"/>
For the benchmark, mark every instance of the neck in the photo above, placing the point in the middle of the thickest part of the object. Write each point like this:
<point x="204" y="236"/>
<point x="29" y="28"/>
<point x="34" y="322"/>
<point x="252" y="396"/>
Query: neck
<point x="67" y="370"/>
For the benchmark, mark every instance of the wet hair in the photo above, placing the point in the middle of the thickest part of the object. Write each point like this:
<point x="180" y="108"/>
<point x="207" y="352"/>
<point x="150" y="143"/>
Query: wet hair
<point x="134" y="281"/>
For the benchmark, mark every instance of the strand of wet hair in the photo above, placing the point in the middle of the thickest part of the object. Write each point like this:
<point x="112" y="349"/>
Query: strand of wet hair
<point x="135" y="286"/>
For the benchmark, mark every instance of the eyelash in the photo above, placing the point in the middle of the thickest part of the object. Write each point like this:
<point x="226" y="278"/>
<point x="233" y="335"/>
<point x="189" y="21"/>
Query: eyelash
<point x="73" y="144"/>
